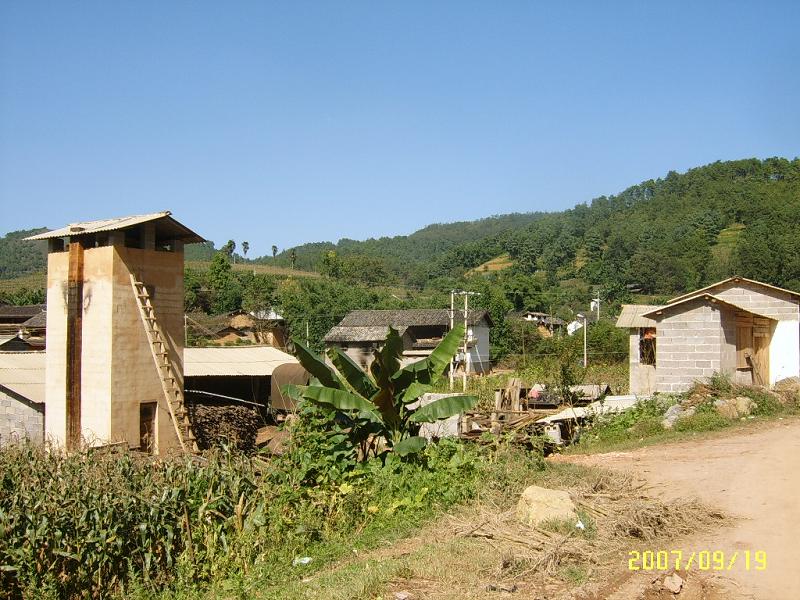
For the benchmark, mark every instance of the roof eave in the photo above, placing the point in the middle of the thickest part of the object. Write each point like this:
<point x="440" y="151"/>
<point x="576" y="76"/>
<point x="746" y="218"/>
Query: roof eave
<point x="734" y="279"/>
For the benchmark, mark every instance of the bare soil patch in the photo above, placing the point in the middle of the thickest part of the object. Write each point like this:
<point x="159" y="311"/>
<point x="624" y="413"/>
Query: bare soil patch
<point x="751" y="474"/>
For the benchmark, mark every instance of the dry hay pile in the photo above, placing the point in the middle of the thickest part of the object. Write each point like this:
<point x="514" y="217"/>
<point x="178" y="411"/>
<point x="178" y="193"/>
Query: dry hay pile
<point x="618" y="517"/>
<point x="215" y="424"/>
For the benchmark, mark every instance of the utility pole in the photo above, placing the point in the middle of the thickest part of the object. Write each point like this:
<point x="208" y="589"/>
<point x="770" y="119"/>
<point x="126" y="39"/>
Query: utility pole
<point x="307" y="333"/>
<point x="466" y="335"/>
<point x="452" y="315"/>
<point x="466" y="340"/>
<point x="585" y="354"/>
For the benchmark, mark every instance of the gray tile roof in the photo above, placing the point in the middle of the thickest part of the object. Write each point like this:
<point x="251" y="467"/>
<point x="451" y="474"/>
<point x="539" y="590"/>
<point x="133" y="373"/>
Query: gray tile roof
<point x="20" y="313"/>
<point x="38" y="321"/>
<point x="359" y="334"/>
<point x="415" y="317"/>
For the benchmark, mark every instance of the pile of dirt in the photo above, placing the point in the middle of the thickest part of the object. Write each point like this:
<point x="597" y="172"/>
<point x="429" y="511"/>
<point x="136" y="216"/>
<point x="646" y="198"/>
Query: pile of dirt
<point x="234" y="425"/>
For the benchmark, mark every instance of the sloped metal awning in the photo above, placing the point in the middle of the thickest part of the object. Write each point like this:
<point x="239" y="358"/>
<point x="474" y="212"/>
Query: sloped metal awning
<point x="252" y="361"/>
<point x="23" y="373"/>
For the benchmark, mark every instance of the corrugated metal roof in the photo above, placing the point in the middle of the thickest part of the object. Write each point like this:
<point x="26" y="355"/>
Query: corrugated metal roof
<point x="253" y="361"/>
<point x="23" y="374"/>
<point x="88" y="227"/>
<point x="631" y="316"/>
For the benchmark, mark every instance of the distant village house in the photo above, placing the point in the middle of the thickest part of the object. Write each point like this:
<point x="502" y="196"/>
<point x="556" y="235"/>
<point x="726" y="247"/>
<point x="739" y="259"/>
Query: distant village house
<point x="363" y="331"/>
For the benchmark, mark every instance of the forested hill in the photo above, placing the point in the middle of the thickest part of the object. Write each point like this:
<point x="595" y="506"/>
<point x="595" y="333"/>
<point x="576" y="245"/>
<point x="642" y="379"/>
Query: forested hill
<point x="18" y="257"/>
<point x="661" y="236"/>
<point x="420" y="247"/>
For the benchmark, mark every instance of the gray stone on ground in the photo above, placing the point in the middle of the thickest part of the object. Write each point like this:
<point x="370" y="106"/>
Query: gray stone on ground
<point x="537" y="504"/>
<point x="674" y="413"/>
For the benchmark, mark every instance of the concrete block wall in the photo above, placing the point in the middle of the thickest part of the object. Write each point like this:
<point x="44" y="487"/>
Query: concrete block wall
<point x="20" y="419"/>
<point x="760" y="300"/>
<point x="689" y="347"/>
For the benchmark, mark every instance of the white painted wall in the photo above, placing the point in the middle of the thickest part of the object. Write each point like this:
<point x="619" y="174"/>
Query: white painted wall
<point x="784" y="351"/>
<point x="479" y="352"/>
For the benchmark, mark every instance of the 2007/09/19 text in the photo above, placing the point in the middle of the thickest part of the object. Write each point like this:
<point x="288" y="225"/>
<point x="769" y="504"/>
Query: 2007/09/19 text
<point x="704" y="560"/>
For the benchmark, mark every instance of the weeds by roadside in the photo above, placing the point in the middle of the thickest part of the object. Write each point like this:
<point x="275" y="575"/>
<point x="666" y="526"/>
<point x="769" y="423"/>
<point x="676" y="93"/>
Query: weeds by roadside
<point x="644" y="423"/>
<point x="88" y="525"/>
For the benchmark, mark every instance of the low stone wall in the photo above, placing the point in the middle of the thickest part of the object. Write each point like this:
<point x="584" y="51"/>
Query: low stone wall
<point x="20" y="418"/>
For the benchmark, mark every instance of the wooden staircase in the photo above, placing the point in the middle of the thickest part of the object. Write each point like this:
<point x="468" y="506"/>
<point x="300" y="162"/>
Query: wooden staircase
<point x="173" y="393"/>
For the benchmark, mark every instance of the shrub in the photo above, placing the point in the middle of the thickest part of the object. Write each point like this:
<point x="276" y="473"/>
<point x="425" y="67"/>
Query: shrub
<point x="643" y="419"/>
<point x="705" y="418"/>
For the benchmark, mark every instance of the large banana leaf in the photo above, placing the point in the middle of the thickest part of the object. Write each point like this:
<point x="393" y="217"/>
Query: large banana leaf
<point x="414" y="391"/>
<point x="316" y="366"/>
<point x="429" y="369"/>
<point x="295" y="392"/>
<point x="357" y="378"/>
<point x="410" y="445"/>
<point x="338" y="399"/>
<point x="443" y="408"/>
<point x="385" y="364"/>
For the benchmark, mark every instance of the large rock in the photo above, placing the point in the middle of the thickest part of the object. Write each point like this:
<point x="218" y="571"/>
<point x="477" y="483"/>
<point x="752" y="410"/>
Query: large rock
<point x="726" y="408"/>
<point x="537" y="504"/>
<point x="674" y="413"/>
<point x="744" y="405"/>
<point x="733" y="408"/>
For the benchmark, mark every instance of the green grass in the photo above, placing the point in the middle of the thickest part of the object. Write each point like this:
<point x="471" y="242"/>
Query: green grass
<point x="726" y="242"/>
<point x="642" y="426"/>
<point x="499" y="263"/>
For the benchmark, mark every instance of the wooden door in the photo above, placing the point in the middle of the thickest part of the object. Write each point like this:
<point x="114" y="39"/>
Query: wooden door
<point x="147" y="427"/>
<point x="761" y="339"/>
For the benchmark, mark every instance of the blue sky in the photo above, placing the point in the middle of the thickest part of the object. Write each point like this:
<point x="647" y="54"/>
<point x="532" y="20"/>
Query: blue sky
<point x="282" y="123"/>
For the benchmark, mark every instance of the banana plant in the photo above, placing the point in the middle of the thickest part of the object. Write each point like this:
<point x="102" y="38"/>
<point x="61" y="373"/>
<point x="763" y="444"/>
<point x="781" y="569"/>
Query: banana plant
<point x="385" y="396"/>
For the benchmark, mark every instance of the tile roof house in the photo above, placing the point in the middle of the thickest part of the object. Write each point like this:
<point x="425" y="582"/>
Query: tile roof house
<point x="362" y="331"/>
<point x="13" y="318"/>
<point x="743" y="328"/>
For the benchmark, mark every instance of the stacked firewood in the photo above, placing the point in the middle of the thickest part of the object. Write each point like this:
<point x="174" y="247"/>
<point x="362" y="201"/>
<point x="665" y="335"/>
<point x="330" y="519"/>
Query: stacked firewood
<point x="217" y="424"/>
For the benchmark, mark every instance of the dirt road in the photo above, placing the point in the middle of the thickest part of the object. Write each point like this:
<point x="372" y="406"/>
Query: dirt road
<point x="751" y="474"/>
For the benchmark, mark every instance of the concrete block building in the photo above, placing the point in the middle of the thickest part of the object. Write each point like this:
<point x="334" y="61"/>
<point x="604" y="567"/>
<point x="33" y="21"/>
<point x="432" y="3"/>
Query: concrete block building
<point x="743" y="328"/>
<point x="102" y="384"/>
